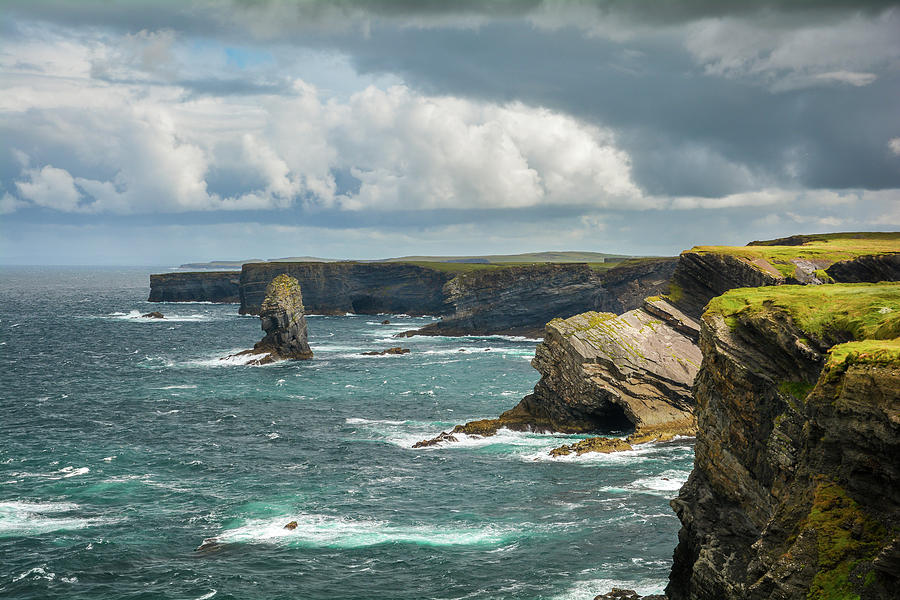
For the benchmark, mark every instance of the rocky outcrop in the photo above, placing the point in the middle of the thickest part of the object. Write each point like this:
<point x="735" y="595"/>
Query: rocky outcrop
<point x="283" y="320"/>
<point x="394" y="350"/>
<point x="872" y="269"/>
<point x="705" y="272"/>
<point x="211" y="286"/>
<point x="153" y="315"/>
<point x="602" y="372"/>
<point x="519" y="300"/>
<point x="342" y="287"/>
<point x="795" y="491"/>
<point x="623" y="594"/>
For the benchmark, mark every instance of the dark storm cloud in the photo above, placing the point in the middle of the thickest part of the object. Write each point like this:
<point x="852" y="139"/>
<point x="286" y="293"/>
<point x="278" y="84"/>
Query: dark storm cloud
<point x="688" y="133"/>
<point x="199" y="16"/>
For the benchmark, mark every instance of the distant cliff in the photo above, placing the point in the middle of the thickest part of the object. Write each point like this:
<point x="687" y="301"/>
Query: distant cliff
<point x="473" y="299"/>
<point x="795" y="491"/>
<point x="342" y="287"/>
<point x="521" y="299"/>
<point x="209" y="286"/>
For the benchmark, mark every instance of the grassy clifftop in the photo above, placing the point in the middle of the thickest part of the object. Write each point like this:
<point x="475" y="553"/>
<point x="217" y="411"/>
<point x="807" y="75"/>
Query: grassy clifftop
<point x="858" y="311"/>
<point x="778" y="256"/>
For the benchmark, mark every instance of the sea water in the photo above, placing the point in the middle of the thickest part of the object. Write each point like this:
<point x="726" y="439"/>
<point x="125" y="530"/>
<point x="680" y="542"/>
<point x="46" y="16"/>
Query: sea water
<point x="125" y="442"/>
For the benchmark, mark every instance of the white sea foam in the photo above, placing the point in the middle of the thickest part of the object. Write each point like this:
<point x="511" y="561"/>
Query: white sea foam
<point x="207" y="596"/>
<point x="588" y="589"/>
<point x="135" y="315"/>
<point x="231" y="359"/>
<point x="177" y="387"/>
<point x="72" y="471"/>
<point x="20" y="518"/>
<point x="326" y="531"/>
<point x="666" y="484"/>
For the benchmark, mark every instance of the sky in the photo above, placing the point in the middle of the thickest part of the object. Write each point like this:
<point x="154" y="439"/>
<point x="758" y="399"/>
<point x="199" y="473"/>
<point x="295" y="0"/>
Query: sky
<point x="157" y="133"/>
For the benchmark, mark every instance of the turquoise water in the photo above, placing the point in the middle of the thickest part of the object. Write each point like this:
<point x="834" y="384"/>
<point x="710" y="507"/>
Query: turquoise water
<point x="125" y="442"/>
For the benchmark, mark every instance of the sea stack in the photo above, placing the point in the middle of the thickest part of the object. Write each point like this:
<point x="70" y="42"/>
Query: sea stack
<point x="281" y="316"/>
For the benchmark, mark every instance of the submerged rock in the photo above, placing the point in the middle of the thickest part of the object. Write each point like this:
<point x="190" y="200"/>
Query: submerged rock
<point x="153" y="315"/>
<point x="444" y="437"/>
<point x="292" y="525"/>
<point x="623" y="594"/>
<point x="386" y="322"/>
<point x="394" y="350"/>
<point x="282" y="318"/>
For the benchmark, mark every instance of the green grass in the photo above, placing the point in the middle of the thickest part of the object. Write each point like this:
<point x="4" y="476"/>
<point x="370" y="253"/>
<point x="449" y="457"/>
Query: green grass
<point x="858" y="311"/>
<point x="845" y="537"/>
<point x="865" y="352"/>
<point x="798" y="389"/>
<point x="824" y="250"/>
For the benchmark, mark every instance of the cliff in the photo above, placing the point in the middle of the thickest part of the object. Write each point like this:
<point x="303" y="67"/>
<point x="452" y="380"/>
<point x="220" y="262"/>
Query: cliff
<point x="600" y="372"/>
<point x="365" y="288"/>
<point x="519" y="300"/>
<point x="211" y="286"/>
<point x="704" y="272"/>
<point x="795" y="491"/>
<point x="282" y="318"/>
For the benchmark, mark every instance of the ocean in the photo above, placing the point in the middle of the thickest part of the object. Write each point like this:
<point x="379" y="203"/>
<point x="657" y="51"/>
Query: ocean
<point x="125" y="443"/>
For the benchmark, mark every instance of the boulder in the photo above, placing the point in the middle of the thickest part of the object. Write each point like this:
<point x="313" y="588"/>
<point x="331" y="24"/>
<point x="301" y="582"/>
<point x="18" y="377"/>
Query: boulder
<point x="153" y="315"/>
<point x="292" y="525"/>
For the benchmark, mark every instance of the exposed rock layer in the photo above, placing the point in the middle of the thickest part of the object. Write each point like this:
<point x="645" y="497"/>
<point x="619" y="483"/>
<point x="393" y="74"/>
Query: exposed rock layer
<point x="795" y="491"/>
<point x="211" y="286"/>
<point x="520" y="300"/>
<point x="365" y="288"/>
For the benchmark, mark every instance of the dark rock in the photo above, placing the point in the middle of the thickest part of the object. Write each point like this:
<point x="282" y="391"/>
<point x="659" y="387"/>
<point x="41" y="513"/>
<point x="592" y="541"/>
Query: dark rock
<point x="211" y="286"/>
<point x="292" y="525"/>
<point x="386" y="322"/>
<point x="153" y="315"/>
<point x="520" y="300"/>
<point x="443" y="437"/>
<point x="394" y="350"/>
<point x="795" y="491"/>
<point x="619" y="594"/>
<point x="361" y="288"/>
<point x="880" y="267"/>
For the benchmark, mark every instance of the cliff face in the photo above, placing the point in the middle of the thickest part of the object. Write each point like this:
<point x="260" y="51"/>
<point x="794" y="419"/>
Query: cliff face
<point x="600" y="371"/>
<point x="365" y="288"/>
<point x="211" y="286"/>
<point x="874" y="268"/>
<point x="520" y="300"/>
<point x="705" y="272"/>
<point x="795" y="491"/>
<point x="501" y="299"/>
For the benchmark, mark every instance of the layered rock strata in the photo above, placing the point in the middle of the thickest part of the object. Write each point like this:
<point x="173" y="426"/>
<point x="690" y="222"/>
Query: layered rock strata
<point x="519" y="300"/>
<point x="282" y="318"/>
<point x="602" y="372"/>
<point x="342" y="287"/>
<point x="471" y="299"/>
<point x="795" y="491"/>
<point x="211" y="286"/>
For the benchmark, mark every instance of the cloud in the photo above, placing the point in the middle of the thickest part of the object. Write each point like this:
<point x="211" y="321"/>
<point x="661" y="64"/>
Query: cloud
<point x="894" y="145"/>
<point x="51" y="188"/>
<point x="842" y="51"/>
<point x="108" y="147"/>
